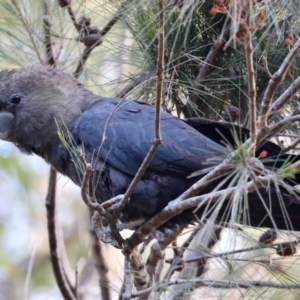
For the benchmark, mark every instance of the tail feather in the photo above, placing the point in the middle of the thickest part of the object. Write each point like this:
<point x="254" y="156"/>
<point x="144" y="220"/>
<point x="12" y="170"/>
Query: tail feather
<point x="232" y="135"/>
<point x="267" y="207"/>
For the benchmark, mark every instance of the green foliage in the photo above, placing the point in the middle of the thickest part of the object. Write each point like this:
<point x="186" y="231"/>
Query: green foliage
<point x="190" y="33"/>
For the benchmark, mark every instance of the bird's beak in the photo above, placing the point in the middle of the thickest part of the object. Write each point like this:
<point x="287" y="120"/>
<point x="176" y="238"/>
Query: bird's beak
<point x="6" y="119"/>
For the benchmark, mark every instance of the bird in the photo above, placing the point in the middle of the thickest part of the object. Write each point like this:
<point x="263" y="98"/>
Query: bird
<point x="47" y="112"/>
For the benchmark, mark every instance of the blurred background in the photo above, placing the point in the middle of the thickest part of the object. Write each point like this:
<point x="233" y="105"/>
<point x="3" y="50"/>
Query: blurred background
<point x="124" y="65"/>
<point x="25" y="269"/>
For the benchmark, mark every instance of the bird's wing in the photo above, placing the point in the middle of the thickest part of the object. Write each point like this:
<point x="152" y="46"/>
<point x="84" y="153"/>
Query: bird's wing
<point x="230" y="134"/>
<point x="130" y="134"/>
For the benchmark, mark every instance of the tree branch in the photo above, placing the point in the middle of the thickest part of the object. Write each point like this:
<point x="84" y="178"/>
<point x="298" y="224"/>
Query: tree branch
<point x="127" y="279"/>
<point x="286" y="96"/>
<point x="140" y="275"/>
<point x="93" y="38"/>
<point x="222" y="284"/>
<point x="274" y="82"/>
<point x="206" y="238"/>
<point x="64" y="283"/>
<point x="251" y="89"/>
<point x="101" y="266"/>
<point x="159" y="90"/>
<point x="244" y="250"/>
<point x="158" y="248"/>
<point x="47" y="32"/>
<point x="29" y="31"/>
<point x="177" y="206"/>
<point x="208" y="62"/>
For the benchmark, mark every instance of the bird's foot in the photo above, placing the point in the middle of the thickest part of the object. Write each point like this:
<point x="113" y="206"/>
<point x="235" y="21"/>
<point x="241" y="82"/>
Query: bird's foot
<point x="103" y="232"/>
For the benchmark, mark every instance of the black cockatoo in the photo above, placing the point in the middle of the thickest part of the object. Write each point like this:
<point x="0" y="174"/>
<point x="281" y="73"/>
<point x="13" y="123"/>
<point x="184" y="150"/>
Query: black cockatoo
<point x="47" y="112"/>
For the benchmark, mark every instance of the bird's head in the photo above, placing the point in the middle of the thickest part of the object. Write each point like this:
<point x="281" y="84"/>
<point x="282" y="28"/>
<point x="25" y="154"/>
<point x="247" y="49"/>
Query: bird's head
<point x="35" y="102"/>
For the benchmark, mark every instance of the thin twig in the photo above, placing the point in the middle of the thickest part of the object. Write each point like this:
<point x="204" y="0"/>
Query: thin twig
<point x="160" y="71"/>
<point x="47" y="32"/>
<point x="285" y="96"/>
<point x="99" y="151"/>
<point x="156" y="279"/>
<point x="68" y="291"/>
<point x="274" y="82"/>
<point x="73" y="18"/>
<point x="88" y="49"/>
<point x="271" y="130"/>
<point x="176" y="253"/>
<point x="223" y="284"/>
<point x="265" y="63"/>
<point x="56" y="249"/>
<point x="76" y="282"/>
<point x="292" y="145"/>
<point x="188" y="241"/>
<point x="208" y="62"/>
<point x="101" y="266"/>
<point x="85" y="190"/>
<point x="295" y="167"/>
<point x="286" y="135"/>
<point x="29" y="271"/>
<point x="265" y="54"/>
<point x="99" y="210"/>
<point x="206" y="238"/>
<point x="133" y="87"/>
<point x="146" y="243"/>
<point x="204" y="181"/>
<point x="109" y="203"/>
<point x="147" y="160"/>
<point x="214" y="51"/>
<point x="113" y="20"/>
<point x="157" y="253"/>
<point x="176" y="262"/>
<point x="64" y="283"/>
<point x="159" y="269"/>
<point x="127" y="279"/>
<point x="238" y="251"/>
<point x="158" y="248"/>
<point x="251" y="90"/>
<point x="158" y="139"/>
<point x="131" y="225"/>
<point x="82" y="60"/>
<point x="29" y="31"/>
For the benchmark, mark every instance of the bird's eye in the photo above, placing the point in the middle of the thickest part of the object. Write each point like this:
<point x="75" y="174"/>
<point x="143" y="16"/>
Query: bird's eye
<point x="15" y="98"/>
